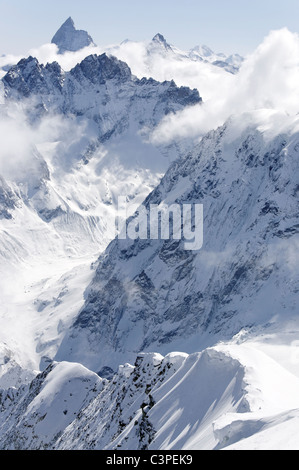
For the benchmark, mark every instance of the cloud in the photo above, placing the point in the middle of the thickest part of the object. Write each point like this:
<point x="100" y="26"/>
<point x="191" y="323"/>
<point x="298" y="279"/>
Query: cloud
<point x="266" y="87"/>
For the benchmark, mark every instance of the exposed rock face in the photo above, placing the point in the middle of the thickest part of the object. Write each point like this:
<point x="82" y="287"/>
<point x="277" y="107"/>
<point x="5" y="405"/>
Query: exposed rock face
<point x="82" y="145"/>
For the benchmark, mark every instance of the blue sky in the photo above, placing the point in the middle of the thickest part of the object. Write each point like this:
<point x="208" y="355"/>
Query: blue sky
<point x="224" y="25"/>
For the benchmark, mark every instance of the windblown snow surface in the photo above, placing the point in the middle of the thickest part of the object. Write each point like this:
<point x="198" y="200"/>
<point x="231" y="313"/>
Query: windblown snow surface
<point x="140" y="344"/>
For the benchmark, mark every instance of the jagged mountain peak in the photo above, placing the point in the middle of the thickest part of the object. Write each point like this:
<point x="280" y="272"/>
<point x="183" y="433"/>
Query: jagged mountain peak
<point x="69" y="22"/>
<point x="159" y="40"/>
<point x="102" y="66"/>
<point x="29" y="63"/>
<point x="68" y="38"/>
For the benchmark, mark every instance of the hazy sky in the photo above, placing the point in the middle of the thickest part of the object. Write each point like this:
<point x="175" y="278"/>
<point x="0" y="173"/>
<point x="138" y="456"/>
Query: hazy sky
<point x="224" y="25"/>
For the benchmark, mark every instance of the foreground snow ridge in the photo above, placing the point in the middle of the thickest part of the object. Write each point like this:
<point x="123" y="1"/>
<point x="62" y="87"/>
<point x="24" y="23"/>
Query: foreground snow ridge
<point x="215" y="399"/>
<point x="68" y="38"/>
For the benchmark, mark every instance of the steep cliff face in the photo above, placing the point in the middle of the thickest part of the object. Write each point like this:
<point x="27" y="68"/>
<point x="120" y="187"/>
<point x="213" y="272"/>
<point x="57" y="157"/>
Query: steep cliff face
<point x="154" y="295"/>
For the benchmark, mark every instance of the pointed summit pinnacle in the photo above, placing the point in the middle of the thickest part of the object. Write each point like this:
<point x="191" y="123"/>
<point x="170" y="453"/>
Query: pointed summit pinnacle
<point x="68" y="38"/>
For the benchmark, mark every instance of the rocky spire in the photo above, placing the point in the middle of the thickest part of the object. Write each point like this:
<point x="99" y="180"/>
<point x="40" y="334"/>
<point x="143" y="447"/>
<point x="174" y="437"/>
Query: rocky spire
<point x="68" y="38"/>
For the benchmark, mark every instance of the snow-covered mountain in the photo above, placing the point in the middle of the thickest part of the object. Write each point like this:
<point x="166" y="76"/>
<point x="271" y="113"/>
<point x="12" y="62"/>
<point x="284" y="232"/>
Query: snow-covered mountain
<point x="217" y="399"/>
<point x="101" y="151"/>
<point x="104" y="102"/>
<point x="158" y="44"/>
<point x="83" y="143"/>
<point x="198" y="68"/>
<point x="153" y="295"/>
<point x="231" y="63"/>
<point x="159" y="48"/>
<point x="100" y="88"/>
<point x="68" y="38"/>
